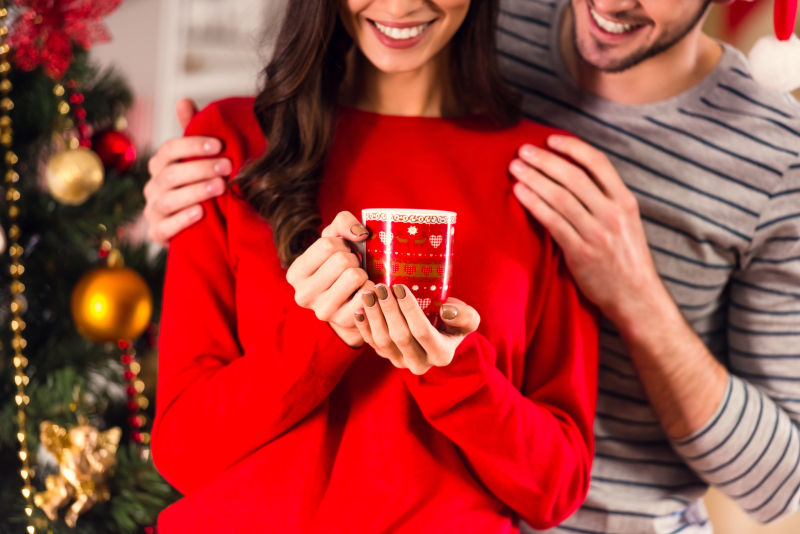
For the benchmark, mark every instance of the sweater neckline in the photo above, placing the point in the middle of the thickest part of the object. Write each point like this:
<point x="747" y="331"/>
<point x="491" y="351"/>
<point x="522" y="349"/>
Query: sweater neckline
<point x="374" y="116"/>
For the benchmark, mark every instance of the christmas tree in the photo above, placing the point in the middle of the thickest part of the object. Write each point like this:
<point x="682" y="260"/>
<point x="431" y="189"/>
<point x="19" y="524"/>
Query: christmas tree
<point x="77" y="358"/>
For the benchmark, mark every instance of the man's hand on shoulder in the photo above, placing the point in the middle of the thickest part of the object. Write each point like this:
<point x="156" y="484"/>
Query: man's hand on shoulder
<point x="576" y="193"/>
<point x="177" y="185"/>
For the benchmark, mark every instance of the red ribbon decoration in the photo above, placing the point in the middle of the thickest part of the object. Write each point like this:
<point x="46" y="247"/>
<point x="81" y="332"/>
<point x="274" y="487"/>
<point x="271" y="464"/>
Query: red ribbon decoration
<point x="46" y="30"/>
<point x="784" y="17"/>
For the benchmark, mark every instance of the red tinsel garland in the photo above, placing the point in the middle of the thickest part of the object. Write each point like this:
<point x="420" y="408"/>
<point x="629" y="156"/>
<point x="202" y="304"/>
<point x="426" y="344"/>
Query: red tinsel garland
<point x="45" y="31"/>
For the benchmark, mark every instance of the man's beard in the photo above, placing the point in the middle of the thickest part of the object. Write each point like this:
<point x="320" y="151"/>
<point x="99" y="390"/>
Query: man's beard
<point x="666" y="42"/>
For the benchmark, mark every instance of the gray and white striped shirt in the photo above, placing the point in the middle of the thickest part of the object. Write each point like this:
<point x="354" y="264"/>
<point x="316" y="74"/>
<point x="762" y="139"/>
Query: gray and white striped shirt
<point x="716" y="171"/>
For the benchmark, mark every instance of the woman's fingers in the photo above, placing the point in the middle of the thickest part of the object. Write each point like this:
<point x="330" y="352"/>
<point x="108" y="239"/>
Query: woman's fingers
<point x="565" y="172"/>
<point x="420" y="326"/>
<point x="399" y="332"/>
<point x="316" y="286"/>
<point x="162" y="231"/>
<point x="381" y="340"/>
<point x="313" y="258"/>
<point x="459" y="317"/>
<point x="346" y="225"/>
<point x="330" y="304"/>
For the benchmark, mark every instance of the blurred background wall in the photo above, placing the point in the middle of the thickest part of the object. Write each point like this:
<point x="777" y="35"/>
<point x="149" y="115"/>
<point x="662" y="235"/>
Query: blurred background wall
<point x="207" y="49"/>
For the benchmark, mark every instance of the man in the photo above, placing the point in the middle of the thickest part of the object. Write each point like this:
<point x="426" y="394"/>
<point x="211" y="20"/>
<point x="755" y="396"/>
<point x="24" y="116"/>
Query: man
<point x="692" y="255"/>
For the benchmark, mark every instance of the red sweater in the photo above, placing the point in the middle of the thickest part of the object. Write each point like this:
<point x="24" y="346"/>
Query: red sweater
<point x="267" y="422"/>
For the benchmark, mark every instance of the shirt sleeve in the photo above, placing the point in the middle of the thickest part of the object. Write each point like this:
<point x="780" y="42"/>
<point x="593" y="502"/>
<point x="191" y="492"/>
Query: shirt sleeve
<point x="533" y="448"/>
<point x="216" y="402"/>
<point x="750" y="448"/>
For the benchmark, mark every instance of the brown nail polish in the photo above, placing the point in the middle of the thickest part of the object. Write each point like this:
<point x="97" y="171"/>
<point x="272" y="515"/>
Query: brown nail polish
<point x="449" y="313"/>
<point x="399" y="291"/>
<point x="369" y="299"/>
<point x="360" y="317"/>
<point x="359" y="230"/>
<point x="381" y="291"/>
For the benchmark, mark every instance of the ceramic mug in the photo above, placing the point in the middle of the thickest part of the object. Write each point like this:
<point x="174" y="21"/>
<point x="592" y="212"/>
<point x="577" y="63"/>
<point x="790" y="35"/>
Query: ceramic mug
<point x="412" y="247"/>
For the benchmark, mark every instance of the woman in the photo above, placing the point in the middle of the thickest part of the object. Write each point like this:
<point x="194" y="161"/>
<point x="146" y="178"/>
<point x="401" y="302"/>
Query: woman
<point x="281" y="406"/>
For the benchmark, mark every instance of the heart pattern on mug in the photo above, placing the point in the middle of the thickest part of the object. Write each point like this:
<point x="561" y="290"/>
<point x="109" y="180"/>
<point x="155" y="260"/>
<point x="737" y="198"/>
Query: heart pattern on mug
<point x="440" y="270"/>
<point x="385" y="237"/>
<point x="410" y="269"/>
<point x="435" y="240"/>
<point x="424" y="303"/>
<point x="395" y="268"/>
<point x="378" y="265"/>
<point x="427" y="269"/>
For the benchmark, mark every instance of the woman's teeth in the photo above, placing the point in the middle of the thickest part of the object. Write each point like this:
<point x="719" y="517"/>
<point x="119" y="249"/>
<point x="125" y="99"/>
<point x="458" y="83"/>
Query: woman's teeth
<point x="611" y="26"/>
<point x="401" y="33"/>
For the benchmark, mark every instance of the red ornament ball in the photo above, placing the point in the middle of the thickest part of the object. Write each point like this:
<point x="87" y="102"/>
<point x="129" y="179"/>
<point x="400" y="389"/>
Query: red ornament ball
<point x="115" y="149"/>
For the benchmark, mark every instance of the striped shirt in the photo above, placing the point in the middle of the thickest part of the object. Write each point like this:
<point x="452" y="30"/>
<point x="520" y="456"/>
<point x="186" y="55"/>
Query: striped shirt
<point x="716" y="172"/>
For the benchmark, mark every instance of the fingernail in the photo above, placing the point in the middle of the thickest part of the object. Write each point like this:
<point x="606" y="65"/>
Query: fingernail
<point x="518" y="166"/>
<point x="214" y="188"/>
<point x="399" y="291"/>
<point x="222" y="167"/>
<point x="211" y="147"/>
<point x="555" y="140"/>
<point x="529" y="151"/>
<point x="359" y="230"/>
<point x="449" y="313"/>
<point x="195" y="213"/>
<point x="380" y="289"/>
<point x="360" y="317"/>
<point x="369" y="299"/>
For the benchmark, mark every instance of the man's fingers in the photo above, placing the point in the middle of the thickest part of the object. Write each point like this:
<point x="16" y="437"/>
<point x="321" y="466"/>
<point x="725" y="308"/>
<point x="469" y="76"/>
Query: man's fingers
<point x="561" y="199"/>
<point x="181" y="174"/>
<point x="186" y="109"/>
<point x="561" y="229"/>
<point x="347" y="226"/>
<point x="175" y="200"/>
<point x="169" y="227"/>
<point x="182" y="148"/>
<point x="592" y="160"/>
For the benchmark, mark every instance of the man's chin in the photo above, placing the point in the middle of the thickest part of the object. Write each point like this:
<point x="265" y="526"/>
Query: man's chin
<point x="608" y="62"/>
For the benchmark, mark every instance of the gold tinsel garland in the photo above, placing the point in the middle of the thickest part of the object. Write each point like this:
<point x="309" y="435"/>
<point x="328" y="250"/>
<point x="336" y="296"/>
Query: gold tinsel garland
<point x="15" y="252"/>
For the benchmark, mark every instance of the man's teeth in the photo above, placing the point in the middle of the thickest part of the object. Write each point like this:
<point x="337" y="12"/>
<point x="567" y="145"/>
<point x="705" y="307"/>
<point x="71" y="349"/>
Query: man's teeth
<point x="401" y="33"/>
<point x="611" y="26"/>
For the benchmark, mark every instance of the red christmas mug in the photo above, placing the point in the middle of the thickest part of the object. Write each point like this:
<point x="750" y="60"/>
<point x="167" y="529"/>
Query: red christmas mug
<point x="414" y="248"/>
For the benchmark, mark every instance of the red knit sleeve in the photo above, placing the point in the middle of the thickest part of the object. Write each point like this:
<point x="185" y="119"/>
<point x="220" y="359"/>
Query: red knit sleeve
<point x="533" y="448"/>
<point x="216" y="402"/>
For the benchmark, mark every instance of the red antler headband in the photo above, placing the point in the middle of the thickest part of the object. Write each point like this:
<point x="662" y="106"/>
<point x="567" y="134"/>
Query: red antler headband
<point x="784" y="18"/>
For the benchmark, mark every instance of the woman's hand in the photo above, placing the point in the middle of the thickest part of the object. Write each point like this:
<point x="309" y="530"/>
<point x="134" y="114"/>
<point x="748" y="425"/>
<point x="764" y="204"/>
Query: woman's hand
<point x="396" y="327"/>
<point x="327" y="275"/>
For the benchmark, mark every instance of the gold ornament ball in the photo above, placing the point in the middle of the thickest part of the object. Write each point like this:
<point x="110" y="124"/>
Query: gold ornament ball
<point x="111" y="303"/>
<point x="74" y="175"/>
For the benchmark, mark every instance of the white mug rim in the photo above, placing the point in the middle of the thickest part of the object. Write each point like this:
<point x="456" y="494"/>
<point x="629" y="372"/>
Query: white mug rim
<point x="406" y="212"/>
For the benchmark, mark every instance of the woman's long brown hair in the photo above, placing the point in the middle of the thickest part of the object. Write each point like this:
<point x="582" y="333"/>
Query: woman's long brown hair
<point x="297" y="104"/>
